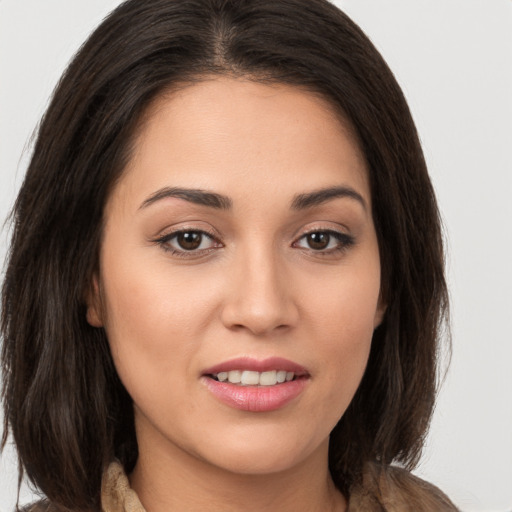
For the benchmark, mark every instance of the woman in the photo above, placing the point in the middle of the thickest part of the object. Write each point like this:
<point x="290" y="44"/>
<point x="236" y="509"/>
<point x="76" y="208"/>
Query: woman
<point x="225" y="283"/>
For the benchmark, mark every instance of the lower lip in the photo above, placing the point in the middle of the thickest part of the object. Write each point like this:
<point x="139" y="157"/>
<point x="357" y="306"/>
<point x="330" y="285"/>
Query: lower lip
<point x="256" y="398"/>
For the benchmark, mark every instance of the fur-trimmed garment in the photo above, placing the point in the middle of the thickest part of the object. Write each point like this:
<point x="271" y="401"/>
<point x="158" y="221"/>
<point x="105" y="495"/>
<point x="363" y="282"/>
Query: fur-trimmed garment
<point x="390" y="490"/>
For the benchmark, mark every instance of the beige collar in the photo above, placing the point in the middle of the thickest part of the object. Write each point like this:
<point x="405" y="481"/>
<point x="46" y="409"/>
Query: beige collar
<point x="116" y="494"/>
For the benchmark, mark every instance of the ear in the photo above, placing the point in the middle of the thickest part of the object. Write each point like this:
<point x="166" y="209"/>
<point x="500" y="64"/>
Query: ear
<point x="380" y="312"/>
<point x="93" y="301"/>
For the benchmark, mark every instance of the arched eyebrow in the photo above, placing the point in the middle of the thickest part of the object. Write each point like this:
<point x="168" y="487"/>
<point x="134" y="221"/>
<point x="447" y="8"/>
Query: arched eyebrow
<point x="193" y="195"/>
<point x="222" y="202"/>
<point x="321" y="196"/>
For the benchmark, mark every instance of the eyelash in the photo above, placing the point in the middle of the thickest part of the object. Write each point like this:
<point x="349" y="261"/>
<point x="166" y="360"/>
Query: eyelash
<point x="344" y="243"/>
<point x="164" y="240"/>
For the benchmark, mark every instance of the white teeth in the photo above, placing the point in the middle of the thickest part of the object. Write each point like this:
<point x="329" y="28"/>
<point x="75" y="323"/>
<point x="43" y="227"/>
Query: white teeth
<point x="235" y="376"/>
<point x="268" y="378"/>
<point x="251" y="378"/>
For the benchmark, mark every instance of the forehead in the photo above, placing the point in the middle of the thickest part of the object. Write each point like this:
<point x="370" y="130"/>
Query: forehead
<point x="225" y="132"/>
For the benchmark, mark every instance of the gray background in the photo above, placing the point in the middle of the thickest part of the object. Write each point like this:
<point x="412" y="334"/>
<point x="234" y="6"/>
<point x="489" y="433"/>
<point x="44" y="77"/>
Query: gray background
<point x="453" y="59"/>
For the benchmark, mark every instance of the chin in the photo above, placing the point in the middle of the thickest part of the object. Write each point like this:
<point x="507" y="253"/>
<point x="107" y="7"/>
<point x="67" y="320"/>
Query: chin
<point x="261" y="454"/>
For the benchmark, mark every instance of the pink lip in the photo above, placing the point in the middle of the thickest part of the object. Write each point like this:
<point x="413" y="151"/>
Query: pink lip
<point x="256" y="398"/>
<point x="255" y="365"/>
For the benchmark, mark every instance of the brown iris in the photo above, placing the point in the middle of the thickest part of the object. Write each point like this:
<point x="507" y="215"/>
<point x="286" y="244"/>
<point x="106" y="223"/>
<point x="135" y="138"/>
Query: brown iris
<point x="318" y="241"/>
<point x="189" y="240"/>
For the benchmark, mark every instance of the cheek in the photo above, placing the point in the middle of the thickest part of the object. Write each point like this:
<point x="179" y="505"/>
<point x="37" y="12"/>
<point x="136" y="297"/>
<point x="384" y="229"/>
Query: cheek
<point x="145" y="297"/>
<point x="153" y="319"/>
<point x="342" y="316"/>
<point x="151" y="334"/>
<point x="345" y="306"/>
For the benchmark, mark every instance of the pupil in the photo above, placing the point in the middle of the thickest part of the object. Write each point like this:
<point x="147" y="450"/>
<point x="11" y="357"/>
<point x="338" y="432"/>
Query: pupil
<point x="189" y="240"/>
<point x="318" y="240"/>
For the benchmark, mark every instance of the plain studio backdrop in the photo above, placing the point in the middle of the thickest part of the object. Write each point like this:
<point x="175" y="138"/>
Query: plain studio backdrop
<point x="453" y="59"/>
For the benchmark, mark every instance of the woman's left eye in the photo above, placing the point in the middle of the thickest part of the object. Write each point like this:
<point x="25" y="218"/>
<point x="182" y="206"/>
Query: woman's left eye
<point x="326" y="241"/>
<point x="188" y="241"/>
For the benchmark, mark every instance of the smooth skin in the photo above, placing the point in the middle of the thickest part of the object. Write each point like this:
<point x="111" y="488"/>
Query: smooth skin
<point x="271" y="268"/>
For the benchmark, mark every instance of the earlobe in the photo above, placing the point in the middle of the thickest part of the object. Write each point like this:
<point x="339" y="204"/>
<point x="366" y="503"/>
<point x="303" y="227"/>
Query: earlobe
<point x="379" y="313"/>
<point x="93" y="300"/>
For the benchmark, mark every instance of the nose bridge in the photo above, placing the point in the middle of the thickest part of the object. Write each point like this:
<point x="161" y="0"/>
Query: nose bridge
<point x="260" y="299"/>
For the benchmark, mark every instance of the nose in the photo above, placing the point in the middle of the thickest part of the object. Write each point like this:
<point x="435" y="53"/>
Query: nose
<point x="259" y="297"/>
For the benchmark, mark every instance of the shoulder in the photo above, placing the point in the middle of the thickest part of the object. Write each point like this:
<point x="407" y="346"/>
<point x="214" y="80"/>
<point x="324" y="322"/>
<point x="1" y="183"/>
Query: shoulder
<point x="393" y="489"/>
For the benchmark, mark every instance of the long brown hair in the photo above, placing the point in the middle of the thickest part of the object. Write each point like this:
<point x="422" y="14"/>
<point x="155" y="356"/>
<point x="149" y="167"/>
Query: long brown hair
<point x="67" y="410"/>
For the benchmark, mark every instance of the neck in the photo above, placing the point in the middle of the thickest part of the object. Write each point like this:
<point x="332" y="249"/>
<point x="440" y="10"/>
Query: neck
<point x="167" y="481"/>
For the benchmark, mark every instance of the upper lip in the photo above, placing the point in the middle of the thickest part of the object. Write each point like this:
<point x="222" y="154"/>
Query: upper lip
<point x="257" y="365"/>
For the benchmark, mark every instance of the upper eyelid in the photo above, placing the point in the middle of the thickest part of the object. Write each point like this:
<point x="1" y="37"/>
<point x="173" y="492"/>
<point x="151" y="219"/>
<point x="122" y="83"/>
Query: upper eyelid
<point x="322" y="230"/>
<point x="322" y="225"/>
<point x="173" y="232"/>
<point x="325" y="229"/>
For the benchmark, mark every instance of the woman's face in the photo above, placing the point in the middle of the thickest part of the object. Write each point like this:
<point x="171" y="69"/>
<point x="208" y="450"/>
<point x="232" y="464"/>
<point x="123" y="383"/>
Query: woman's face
<point x="239" y="244"/>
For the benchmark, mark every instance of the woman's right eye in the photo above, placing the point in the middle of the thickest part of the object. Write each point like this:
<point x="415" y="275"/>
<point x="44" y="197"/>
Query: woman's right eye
<point x="188" y="242"/>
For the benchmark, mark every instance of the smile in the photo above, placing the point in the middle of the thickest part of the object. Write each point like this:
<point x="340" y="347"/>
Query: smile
<point x="254" y="385"/>
<point x="253" y="378"/>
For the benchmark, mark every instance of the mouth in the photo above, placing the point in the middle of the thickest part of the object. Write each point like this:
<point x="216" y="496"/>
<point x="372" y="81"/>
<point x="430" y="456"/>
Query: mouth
<point x="256" y="385"/>
<point x="246" y="371"/>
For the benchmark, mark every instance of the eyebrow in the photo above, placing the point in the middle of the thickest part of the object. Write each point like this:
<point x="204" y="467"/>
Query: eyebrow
<point x="321" y="196"/>
<point x="193" y="195"/>
<point x="222" y="202"/>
